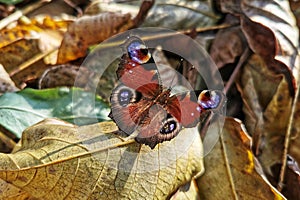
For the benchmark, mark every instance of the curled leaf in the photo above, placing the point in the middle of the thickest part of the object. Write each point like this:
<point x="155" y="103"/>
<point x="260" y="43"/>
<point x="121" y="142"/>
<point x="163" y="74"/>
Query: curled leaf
<point x="267" y="106"/>
<point x="271" y="32"/>
<point x="90" y="30"/>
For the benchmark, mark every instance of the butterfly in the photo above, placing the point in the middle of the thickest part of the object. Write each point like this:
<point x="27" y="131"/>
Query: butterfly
<point x="141" y="106"/>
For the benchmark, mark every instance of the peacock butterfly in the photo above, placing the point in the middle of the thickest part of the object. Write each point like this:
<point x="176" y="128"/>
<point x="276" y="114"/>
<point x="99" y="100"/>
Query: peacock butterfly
<point x="143" y="108"/>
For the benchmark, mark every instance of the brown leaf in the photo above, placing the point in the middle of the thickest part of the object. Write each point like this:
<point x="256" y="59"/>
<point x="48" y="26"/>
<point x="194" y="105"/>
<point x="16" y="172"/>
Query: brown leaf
<point x="224" y="52"/>
<point x="90" y="30"/>
<point x="64" y="75"/>
<point x="277" y="16"/>
<point x="294" y="142"/>
<point x="295" y="5"/>
<point x="57" y="160"/>
<point x="267" y="106"/>
<point x="12" y="56"/>
<point x="231" y="168"/>
<point x="181" y="14"/>
<point x="27" y="40"/>
<point x="271" y="32"/>
<point x="263" y="42"/>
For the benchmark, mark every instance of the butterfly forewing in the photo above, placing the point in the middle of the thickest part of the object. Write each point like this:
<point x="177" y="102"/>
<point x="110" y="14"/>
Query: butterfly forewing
<point x="142" y="78"/>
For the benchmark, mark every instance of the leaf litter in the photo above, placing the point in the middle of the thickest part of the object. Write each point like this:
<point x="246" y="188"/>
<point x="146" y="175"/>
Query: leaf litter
<point x="266" y="80"/>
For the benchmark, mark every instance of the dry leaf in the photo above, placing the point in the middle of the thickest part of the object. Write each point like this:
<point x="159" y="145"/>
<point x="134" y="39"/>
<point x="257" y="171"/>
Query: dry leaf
<point x="11" y="192"/>
<point x="262" y="23"/>
<point x="64" y="75"/>
<point x="12" y="56"/>
<point x="46" y="29"/>
<point x="56" y="160"/>
<point x="277" y="16"/>
<point x="295" y="5"/>
<point x="27" y="40"/>
<point x="224" y="52"/>
<point x="230" y="171"/>
<point x="90" y="30"/>
<point x="263" y="42"/>
<point x="267" y="106"/>
<point x="294" y="141"/>
<point x="181" y="14"/>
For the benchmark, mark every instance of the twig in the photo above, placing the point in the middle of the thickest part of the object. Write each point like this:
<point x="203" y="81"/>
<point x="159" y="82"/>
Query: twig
<point x="243" y="58"/>
<point x="142" y="14"/>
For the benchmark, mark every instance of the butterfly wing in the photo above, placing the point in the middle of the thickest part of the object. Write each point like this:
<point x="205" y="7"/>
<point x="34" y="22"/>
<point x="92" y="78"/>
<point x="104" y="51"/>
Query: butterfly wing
<point x="139" y="85"/>
<point x="187" y="107"/>
<point x="139" y="104"/>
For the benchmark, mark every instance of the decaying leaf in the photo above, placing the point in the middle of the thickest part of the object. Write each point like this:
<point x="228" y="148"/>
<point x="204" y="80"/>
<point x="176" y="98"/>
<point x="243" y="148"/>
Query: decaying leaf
<point x="27" y="40"/>
<point x="181" y="14"/>
<point x="294" y="141"/>
<point x="223" y="52"/>
<point x="230" y="169"/>
<point x="11" y="192"/>
<point x="90" y="30"/>
<point x="264" y="43"/>
<point x="17" y="52"/>
<point x="32" y="29"/>
<point x="57" y="160"/>
<point x="262" y="23"/>
<point x="277" y="16"/>
<point x="267" y="106"/>
<point x="64" y="75"/>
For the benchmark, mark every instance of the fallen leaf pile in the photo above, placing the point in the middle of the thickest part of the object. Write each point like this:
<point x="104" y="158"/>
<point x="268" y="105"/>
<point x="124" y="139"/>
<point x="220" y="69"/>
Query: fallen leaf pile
<point x="55" y="135"/>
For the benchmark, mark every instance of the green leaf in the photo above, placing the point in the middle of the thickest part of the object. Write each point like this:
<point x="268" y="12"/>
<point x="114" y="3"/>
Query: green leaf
<point x="29" y="106"/>
<point x="10" y="2"/>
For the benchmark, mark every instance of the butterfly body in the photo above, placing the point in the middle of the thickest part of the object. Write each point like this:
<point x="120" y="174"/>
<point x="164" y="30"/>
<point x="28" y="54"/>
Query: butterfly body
<point x="140" y="104"/>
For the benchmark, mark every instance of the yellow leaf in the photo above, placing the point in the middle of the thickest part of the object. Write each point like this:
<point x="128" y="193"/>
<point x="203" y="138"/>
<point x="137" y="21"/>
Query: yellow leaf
<point x="57" y="160"/>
